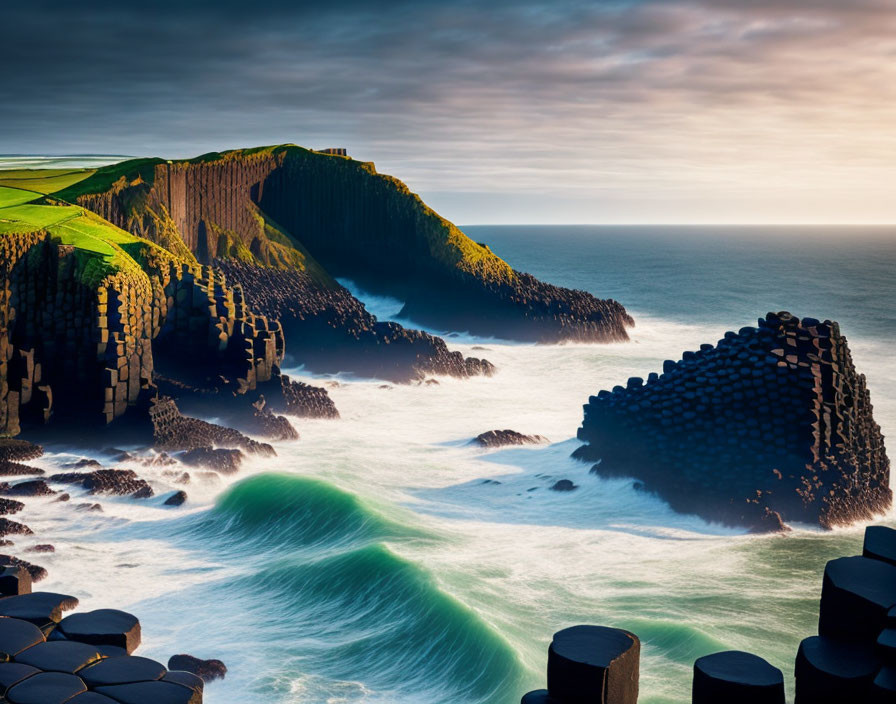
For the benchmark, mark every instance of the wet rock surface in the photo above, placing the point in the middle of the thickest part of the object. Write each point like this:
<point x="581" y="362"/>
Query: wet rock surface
<point x="773" y="424"/>
<point x="501" y="438"/>
<point x="121" y="482"/>
<point x="83" y="658"/>
<point x="206" y="670"/>
<point x="221" y="460"/>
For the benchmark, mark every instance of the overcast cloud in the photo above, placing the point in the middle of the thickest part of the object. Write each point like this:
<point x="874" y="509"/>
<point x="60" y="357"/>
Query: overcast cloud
<point x="667" y="111"/>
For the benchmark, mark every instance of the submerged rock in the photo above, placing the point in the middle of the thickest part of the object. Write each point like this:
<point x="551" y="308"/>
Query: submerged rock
<point x="773" y="424"/>
<point x="178" y="498"/>
<point x="564" y="485"/>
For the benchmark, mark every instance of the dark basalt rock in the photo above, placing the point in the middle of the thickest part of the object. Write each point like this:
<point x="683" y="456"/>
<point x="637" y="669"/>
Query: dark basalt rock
<point x="103" y="627"/>
<point x="18" y="450"/>
<point x="856" y="595"/>
<point x="121" y="482"/>
<point x="500" y="438"/>
<point x="174" y="431"/>
<point x="10" y="506"/>
<point x="36" y="572"/>
<point x="540" y="696"/>
<point x="207" y="670"/>
<point x="38" y="608"/>
<point x="15" y="469"/>
<point x="17" y="635"/>
<point x="157" y="692"/>
<point x="12" y="673"/>
<point x="329" y="330"/>
<point x="880" y="544"/>
<point x="122" y="670"/>
<point x="564" y="485"/>
<point x="883" y="689"/>
<point x="59" y="656"/>
<point x="36" y="487"/>
<point x="178" y="498"/>
<point x="83" y="463"/>
<point x="594" y="664"/>
<point x="297" y="398"/>
<point x="187" y="679"/>
<point x="829" y="671"/>
<point x="8" y="527"/>
<point x="91" y="698"/>
<point x="773" y="424"/>
<point x="46" y="688"/>
<point x="14" y="580"/>
<point x="221" y="460"/>
<point x="735" y="677"/>
<point x="886" y="645"/>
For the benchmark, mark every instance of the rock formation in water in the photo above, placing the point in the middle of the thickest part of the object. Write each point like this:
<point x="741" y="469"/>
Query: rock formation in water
<point x="501" y="438"/>
<point x="773" y="424"/>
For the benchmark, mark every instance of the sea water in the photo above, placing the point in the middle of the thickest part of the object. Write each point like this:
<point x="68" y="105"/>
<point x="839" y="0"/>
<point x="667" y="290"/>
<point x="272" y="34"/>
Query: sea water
<point x="382" y="558"/>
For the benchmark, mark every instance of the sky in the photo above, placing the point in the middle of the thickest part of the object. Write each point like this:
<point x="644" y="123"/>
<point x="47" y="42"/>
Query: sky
<point x="666" y="111"/>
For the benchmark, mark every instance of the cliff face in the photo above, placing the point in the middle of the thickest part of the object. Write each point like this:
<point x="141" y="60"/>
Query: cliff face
<point x="86" y="355"/>
<point x="773" y="424"/>
<point x="290" y="208"/>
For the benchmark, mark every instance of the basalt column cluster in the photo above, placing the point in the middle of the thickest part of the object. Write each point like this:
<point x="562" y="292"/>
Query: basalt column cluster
<point x="84" y="351"/>
<point x="852" y="659"/>
<point x="82" y="658"/>
<point x="772" y="424"/>
<point x="68" y="348"/>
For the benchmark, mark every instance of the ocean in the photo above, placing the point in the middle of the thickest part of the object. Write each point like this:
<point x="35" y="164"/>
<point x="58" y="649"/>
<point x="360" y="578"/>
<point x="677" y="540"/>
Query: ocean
<point x="384" y="559"/>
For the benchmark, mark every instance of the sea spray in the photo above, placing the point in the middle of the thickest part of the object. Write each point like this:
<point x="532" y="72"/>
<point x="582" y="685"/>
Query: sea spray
<point x="395" y="488"/>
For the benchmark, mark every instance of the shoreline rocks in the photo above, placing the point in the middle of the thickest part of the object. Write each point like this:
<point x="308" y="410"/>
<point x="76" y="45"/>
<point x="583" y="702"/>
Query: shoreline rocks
<point x="86" y="656"/>
<point x="503" y="438"/>
<point x="773" y="424"/>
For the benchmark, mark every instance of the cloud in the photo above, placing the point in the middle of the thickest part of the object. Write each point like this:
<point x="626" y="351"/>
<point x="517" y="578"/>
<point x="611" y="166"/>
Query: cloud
<point x="647" y="110"/>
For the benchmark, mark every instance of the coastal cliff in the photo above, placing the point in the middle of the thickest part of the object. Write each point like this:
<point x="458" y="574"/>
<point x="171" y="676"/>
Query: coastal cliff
<point x="85" y="343"/>
<point x="771" y="425"/>
<point x="293" y="209"/>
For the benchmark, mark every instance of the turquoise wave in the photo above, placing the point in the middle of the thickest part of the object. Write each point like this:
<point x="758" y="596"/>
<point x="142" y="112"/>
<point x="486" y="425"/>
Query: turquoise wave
<point x="283" y="511"/>
<point x="336" y="604"/>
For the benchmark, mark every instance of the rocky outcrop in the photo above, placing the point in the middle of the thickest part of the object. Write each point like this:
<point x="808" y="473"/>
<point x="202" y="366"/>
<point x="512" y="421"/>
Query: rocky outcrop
<point x="329" y="330"/>
<point x="773" y="424"/>
<point x="122" y="482"/>
<point x="500" y="438"/>
<point x="207" y="670"/>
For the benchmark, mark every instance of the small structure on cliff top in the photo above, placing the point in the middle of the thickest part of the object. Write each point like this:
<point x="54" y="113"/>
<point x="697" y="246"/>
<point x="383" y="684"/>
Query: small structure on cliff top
<point x="773" y="424"/>
<point x="336" y="151"/>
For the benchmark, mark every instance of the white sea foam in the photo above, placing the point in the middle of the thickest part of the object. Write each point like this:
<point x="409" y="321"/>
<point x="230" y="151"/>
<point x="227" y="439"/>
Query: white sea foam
<point x="527" y="560"/>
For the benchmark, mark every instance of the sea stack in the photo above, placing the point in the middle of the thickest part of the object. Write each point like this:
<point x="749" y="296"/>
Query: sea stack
<point x="771" y="425"/>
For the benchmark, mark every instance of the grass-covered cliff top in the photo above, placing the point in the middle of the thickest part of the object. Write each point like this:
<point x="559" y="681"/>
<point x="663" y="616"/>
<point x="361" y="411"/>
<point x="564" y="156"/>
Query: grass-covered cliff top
<point x="100" y="248"/>
<point x="447" y="245"/>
